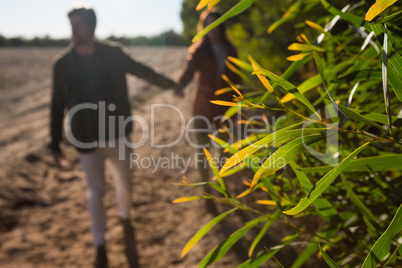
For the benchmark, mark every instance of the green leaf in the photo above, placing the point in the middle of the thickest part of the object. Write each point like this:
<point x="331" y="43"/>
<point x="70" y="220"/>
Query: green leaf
<point x="327" y="259"/>
<point x="355" y="200"/>
<point x="397" y="16"/>
<point x="264" y="256"/>
<point x="231" y="112"/>
<point x="302" y="257"/>
<point x="324" y="183"/>
<point x="304" y="47"/>
<point x="367" y="164"/>
<point x="263" y="231"/>
<point x="381" y="118"/>
<point x="246" y="152"/>
<point x="215" y="169"/>
<point x="283" y="155"/>
<point x="289" y="87"/>
<point x="354" y="115"/>
<point x="397" y="253"/>
<point x="385" y="78"/>
<point x="323" y="206"/>
<point x="291" y="13"/>
<point x="395" y="81"/>
<point x="356" y="20"/>
<point x="382" y="246"/>
<point x="242" y="64"/>
<point x="203" y="231"/>
<point x="220" y="250"/>
<point x="359" y="76"/>
<point x="235" y="10"/>
<point x="310" y="83"/>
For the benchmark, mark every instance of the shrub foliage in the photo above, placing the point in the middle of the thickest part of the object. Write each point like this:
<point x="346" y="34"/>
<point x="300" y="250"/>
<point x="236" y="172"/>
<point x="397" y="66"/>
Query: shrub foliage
<point x="336" y="155"/>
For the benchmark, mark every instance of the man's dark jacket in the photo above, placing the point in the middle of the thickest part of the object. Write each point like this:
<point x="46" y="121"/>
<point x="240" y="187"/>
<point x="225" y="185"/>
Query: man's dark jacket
<point x="98" y="79"/>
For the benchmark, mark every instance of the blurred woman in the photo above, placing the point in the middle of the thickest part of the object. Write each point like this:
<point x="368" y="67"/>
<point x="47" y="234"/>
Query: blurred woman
<point x="206" y="60"/>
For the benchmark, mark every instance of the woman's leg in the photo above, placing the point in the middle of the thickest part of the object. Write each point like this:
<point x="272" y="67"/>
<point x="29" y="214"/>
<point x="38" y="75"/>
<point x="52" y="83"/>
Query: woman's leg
<point x="202" y="140"/>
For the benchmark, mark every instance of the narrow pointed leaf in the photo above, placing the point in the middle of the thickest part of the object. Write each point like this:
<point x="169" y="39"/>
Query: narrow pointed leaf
<point x="228" y="103"/>
<point x="382" y="246"/>
<point x="263" y="80"/>
<point x="203" y="231"/>
<point x="310" y="83"/>
<point x="220" y="250"/>
<point x="304" y="47"/>
<point x="327" y="259"/>
<point x="266" y="141"/>
<point x="356" y="20"/>
<point x="186" y="199"/>
<point x="263" y="256"/>
<point x="289" y="88"/>
<point x="385" y="76"/>
<point x="315" y="26"/>
<point x="298" y="57"/>
<point x="263" y="231"/>
<point x="324" y="183"/>
<point x="356" y="201"/>
<point x="202" y="4"/>
<point x="378" y="7"/>
<point x="282" y="156"/>
<point x="323" y="206"/>
<point x="293" y="10"/>
<point x="235" y="10"/>
<point x="354" y="115"/>
<point x="372" y="163"/>
<point x="242" y="64"/>
<point x="215" y="169"/>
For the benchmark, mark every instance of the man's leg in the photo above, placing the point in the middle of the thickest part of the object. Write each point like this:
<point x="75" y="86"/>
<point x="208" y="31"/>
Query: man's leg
<point x="93" y="164"/>
<point x="122" y="176"/>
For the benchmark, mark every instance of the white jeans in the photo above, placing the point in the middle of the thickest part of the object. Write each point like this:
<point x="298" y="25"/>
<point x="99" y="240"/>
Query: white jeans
<point x="93" y="164"/>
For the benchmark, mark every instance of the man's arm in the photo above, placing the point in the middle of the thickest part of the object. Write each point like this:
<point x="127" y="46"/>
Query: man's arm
<point x="142" y="71"/>
<point x="56" y="117"/>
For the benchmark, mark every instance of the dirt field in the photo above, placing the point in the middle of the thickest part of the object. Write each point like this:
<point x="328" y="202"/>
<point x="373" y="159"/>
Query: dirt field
<point x="44" y="220"/>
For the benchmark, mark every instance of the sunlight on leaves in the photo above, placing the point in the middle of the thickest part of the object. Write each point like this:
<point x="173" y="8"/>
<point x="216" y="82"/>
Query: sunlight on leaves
<point x="378" y="7"/>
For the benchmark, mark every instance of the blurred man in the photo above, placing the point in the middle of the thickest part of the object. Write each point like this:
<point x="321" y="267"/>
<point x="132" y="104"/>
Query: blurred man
<point x="89" y="81"/>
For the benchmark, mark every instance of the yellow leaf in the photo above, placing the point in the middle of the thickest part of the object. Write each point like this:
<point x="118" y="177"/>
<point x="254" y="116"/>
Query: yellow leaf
<point x="243" y="194"/>
<point x="378" y="7"/>
<point x="297" y="57"/>
<point x="304" y="37"/>
<point x="202" y="4"/>
<point x="304" y="47"/>
<point x="223" y="91"/>
<point x="315" y="26"/>
<point x="265" y="189"/>
<point x="267" y="202"/>
<point x="237" y="91"/>
<point x="298" y="38"/>
<point x="212" y="3"/>
<point x="227" y="80"/>
<point x="252" y="122"/>
<point x="263" y="79"/>
<point x="186" y="199"/>
<point x="228" y="103"/>
<point x="299" y="47"/>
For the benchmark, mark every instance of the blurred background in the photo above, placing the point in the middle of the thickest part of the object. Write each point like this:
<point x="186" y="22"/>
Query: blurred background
<point x="147" y="23"/>
<point x="44" y="219"/>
